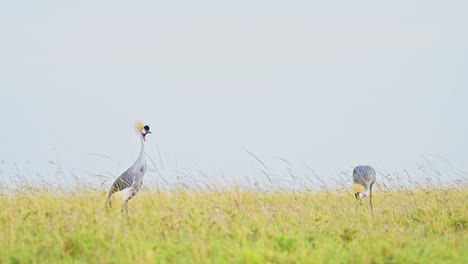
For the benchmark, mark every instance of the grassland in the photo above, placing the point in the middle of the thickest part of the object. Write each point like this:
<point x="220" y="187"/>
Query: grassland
<point x="420" y="226"/>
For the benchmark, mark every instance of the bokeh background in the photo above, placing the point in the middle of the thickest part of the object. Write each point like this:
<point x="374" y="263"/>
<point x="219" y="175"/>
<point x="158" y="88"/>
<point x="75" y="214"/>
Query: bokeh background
<point x="308" y="87"/>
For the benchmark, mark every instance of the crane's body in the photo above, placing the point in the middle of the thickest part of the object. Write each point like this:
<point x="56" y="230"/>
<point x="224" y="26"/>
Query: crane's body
<point x="130" y="182"/>
<point x="364" y="178"/>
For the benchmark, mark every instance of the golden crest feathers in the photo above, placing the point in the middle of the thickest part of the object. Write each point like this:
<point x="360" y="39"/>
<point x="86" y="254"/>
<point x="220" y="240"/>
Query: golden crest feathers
<point x="358" y="188"/>
<point x="139" y="126"/>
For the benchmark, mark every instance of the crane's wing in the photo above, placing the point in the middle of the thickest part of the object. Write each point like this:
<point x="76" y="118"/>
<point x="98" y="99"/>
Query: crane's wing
<point x="363" y="175"/>
<point x="125" y="181"/>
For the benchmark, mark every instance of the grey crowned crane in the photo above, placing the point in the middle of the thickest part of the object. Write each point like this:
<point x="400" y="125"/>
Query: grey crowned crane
<point x="364" y="179"/>
<point x="129" y="183"/>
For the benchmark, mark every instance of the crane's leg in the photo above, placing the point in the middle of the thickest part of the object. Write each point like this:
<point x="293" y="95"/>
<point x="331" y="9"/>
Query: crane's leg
<point x="370" y="198"/>
<point x="125" y="207"/>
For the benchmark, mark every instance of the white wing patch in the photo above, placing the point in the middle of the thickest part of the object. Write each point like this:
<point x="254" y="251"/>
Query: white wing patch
<point x="126" y="193"/>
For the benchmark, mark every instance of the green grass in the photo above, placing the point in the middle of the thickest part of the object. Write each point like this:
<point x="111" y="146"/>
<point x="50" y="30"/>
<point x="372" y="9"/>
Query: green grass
<point x="237" y="227"/>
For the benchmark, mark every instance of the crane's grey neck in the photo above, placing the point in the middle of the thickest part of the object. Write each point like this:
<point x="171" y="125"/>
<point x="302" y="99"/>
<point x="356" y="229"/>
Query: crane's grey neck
<point x="143" y="144"/>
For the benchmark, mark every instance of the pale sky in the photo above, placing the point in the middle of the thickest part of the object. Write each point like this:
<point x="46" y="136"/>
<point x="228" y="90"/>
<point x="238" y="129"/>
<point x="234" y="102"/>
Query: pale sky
<point x="323" y="84"/>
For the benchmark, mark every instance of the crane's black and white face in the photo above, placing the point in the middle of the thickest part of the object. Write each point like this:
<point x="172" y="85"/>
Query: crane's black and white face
<point x="145" y="131"/>
<point x="360" y="195"/>
<point x="359" y="190"/>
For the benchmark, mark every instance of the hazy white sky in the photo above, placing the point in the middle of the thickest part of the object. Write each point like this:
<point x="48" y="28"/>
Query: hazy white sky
<point x="327" y="84"/>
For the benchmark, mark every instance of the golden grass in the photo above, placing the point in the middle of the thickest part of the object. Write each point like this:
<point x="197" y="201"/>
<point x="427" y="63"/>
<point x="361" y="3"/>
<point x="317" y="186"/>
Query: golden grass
<point x="424" y="226"/>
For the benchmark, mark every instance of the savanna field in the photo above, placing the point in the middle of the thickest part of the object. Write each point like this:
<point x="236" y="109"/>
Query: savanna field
<point x="235" y="226"/>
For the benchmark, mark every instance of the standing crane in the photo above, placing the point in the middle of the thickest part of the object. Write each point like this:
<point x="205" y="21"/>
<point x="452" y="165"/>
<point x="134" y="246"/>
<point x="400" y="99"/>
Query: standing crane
<point x="129" y="183"/>
<point x="364" y="179"/>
